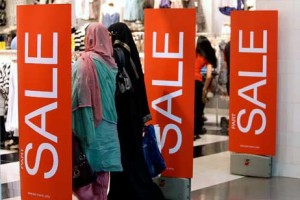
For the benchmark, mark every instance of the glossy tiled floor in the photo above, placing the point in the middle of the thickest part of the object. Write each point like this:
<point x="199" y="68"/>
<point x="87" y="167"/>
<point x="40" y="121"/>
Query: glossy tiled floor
<point x="276" y="188"/>
<point x="212" y="179"/>
<point x="211" y="176"/>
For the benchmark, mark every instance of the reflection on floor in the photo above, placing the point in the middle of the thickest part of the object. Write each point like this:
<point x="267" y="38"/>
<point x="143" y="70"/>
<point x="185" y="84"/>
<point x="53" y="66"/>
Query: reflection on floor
<point x="247" y="188"/>
<point x="211" y="176"/>
<point x="211" y="170"/>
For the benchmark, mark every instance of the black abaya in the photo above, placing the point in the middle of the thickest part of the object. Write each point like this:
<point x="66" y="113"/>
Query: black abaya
<point x="134" y="183"/>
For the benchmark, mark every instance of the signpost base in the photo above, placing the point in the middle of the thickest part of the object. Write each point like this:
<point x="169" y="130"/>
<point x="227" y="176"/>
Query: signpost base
<point x="175" y="188"/>
<point x="251" y="165"/>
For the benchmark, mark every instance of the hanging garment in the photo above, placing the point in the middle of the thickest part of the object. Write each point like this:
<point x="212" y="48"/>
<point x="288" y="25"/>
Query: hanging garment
<point x="110" y="15"/>
<point x="226" y="7"/>
<point x="3" y="18"/>
<point x="13" y="44"/>
<point x="200" y="17"/>
<point x="82" y="9"/>
<point x="165" y="4"/>
<point x="94" y="9"/>
<point x="133" y="10"/>
<point x="79" y="36"/>
<point x="176" y="4"/>
<point x="109" y="19"/>
<point x="148" y="4"/>
<point x="4" y="82"/>
<point x="12" y="120"/>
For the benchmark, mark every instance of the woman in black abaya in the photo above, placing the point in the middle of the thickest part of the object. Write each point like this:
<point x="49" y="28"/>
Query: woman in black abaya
<point x="134" y="183"/>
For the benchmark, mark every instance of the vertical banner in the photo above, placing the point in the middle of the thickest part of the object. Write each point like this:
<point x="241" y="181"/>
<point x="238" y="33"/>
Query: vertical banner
<point x="169" y="76"/>
<point x="253" y="82"/>
<point x="44" y="76"/>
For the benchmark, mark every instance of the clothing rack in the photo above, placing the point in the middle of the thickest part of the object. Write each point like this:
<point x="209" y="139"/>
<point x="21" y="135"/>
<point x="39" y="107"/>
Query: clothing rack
<point x="10" y="138"/>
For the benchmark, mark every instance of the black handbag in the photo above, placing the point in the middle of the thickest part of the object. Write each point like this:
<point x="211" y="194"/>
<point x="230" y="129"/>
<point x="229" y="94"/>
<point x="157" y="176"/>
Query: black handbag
<point x="123" y="80"/>
<point x="83" y="174"/>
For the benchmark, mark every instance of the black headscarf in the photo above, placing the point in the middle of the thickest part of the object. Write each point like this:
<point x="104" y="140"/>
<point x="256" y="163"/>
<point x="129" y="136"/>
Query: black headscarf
<point x="122" y="38"/>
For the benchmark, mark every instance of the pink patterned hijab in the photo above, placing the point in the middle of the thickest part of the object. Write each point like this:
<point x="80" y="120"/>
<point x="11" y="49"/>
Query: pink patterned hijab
<point x="86" y="84"/>
<point x="97" y="40"/>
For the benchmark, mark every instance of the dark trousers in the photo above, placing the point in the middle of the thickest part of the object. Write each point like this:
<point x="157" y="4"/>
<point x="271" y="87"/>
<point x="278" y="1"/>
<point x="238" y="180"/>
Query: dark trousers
<point x="227" y="86"/>
<point x="199" y="108"/>
<point x="4" y="134"/>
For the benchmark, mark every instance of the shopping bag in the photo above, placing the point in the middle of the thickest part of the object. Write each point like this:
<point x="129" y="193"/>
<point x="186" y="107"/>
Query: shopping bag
<point x="153" y="157"/>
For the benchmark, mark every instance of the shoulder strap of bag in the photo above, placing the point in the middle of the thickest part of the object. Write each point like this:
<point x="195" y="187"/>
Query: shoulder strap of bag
<point x="121" y="58"/>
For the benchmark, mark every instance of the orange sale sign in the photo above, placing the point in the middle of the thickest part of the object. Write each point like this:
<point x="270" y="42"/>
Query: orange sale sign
<point x="253" y="82"/>
<point x="169" y="78"/>
<point x="44" y="80"/>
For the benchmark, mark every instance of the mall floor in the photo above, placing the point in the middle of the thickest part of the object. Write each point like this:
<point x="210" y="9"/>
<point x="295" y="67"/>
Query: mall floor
<point x="211" y="177"/>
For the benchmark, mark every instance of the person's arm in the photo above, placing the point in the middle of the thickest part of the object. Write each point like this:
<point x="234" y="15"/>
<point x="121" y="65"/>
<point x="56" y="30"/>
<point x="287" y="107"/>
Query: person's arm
<point x="83" y="125"/>
<point x="82" y="115"/>
<point x="208" y="78"/>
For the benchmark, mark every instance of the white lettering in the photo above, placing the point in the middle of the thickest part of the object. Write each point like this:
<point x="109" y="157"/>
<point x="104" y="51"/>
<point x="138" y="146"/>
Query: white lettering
<point x="167" y="113"/>
<point x="157" y="134"/>
<point x="41" y="130"/>
<point x="250" y="120"/>
<point x="42" y="111"/>
<point x="177" y="83"/>
<point x="233" y="121"/>
<point x="42" y="147"/>
<point x="38" y="59"/>
<point x="178" y="134"/>
<point x="166" y="53"/>
<point x="43" y="94"/>
<point x="251" y="49"/>
<point x="256" y="74"/>
<point x="253" y="99"/>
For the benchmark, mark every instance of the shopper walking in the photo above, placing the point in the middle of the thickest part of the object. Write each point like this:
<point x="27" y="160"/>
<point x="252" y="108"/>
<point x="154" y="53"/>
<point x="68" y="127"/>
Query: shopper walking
<point x="94" y="117"/>
<point x="135" y="182"/>
<point x="227" y="60"/>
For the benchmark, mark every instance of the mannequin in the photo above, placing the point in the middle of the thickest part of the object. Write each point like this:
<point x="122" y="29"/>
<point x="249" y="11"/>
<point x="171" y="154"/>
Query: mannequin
<point x="176" y="4"/>
<point x="110" y="13"/>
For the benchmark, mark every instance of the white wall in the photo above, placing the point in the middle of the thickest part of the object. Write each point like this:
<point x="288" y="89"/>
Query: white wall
<point x="287" y="160"/>
<point x="213" y="17"/>
<point x="218" y="19"/>
<point x="207" y="10"/>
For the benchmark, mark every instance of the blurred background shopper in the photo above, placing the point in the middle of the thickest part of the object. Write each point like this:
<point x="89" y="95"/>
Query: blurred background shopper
<point x="205" y="57"/>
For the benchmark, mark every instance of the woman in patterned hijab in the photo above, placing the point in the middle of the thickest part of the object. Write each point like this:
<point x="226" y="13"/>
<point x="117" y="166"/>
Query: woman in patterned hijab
<point x="94" y="117"/>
